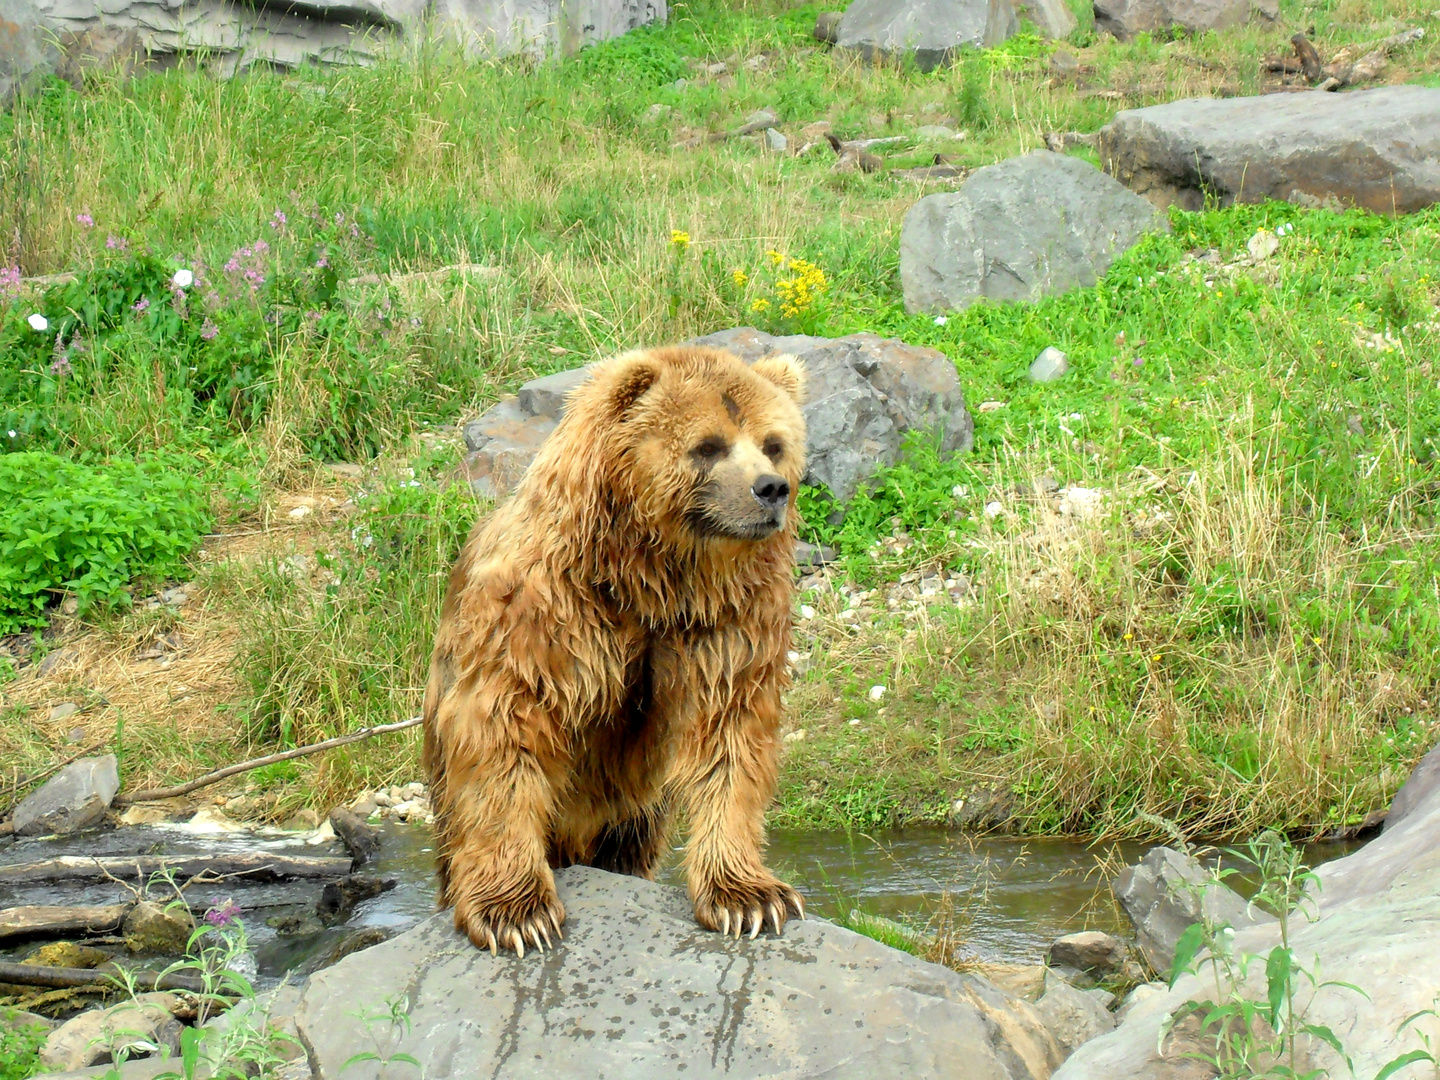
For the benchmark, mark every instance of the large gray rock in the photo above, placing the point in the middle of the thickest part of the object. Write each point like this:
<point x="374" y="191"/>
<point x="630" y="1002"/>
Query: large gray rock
<point x="925" y="31"/>
<point x="638" y="990"/>
<point x="74" y="798"/>
<point x="1072" y="1016"/>
<point x="1028" y="227"/>
<point x="864" y="394"/>
<point x="232" y="37"/>
<point x="1377" y="149"/>
<point x="1374" y="924"/>
<point x="26" y="53"/>
<point x="1053" y="18"/>
<point x="1165" y="894"/>
<point x="1126" y="18"/>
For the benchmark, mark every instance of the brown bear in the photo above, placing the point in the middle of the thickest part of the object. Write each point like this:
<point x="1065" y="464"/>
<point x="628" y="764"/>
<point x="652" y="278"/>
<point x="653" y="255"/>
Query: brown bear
<point x="613" y="643"/>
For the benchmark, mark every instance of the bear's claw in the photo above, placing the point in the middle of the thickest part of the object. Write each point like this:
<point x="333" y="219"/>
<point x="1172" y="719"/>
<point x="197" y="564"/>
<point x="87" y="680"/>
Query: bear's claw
<point x="504" y="927"/>
<point x="746" y="910"/>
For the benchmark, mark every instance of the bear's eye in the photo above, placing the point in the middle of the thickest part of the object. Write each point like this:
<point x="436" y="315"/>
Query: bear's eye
<point x="773" y="448"/>
<point x="709" y="449"/>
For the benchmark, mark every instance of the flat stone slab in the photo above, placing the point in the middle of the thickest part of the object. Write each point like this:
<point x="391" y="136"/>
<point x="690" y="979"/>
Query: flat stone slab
<point x="929" y="32"/>
<point x="1023" y="229"/>
<point x="1377" y="149"/>
<point x="638" y="990"/>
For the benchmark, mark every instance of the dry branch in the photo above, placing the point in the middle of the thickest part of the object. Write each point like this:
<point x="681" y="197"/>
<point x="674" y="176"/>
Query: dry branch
<point x="255" y="865"/>
<point x="269" y="759"/>
<point x="43" y="920"/>
<point x="59" y="978"/>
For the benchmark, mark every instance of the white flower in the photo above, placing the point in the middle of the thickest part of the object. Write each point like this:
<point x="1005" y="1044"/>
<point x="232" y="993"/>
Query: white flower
<point x="38" y="322"/>
<point x="941" y="320"/>
<point x="11" y="433"/>
<point x="183" y="279"/>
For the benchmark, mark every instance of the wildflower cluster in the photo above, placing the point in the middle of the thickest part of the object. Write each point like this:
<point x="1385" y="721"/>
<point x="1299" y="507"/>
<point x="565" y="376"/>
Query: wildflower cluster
<point x="9" y="283"/>
<point x="679" y="239"/>
<point x="246" y="265"/>
<point x="799" y="292"/>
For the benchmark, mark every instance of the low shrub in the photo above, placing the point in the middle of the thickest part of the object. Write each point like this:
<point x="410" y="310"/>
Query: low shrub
<point x="90" y="530"/>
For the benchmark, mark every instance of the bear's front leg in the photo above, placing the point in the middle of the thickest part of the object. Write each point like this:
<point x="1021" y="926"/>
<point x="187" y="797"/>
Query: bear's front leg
<point x="726" y="773"/>
<point x="493" y="803"/>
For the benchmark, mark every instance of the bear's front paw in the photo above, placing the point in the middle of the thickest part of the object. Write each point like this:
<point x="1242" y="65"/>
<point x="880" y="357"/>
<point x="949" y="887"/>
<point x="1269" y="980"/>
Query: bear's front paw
<point x="513" y="922"/>
<point x="735" y="907"/>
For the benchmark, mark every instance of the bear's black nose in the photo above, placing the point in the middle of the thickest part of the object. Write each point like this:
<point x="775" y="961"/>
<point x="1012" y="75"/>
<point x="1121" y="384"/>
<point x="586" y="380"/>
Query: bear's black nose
<point x="770" y="491"/>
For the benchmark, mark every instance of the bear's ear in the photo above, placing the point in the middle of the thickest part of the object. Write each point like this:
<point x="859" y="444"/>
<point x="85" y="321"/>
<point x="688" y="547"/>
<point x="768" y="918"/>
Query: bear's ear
<point x="633" y="375"/>
<point x="785" y="372"/>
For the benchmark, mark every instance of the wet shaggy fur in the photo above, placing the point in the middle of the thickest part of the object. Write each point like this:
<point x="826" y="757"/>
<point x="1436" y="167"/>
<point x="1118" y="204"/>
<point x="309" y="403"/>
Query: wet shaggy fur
<point x="613" y="646"/>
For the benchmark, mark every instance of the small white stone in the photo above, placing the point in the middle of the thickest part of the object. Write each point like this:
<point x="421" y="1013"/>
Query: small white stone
<point x="877" y="692"/>
<point x="993" y="509"/>
<point x="300" y="512"/>
<point x="792" y="656"/>
<point x="855" y="723"/>
<point x="806" y="611"/>
<point x="795" y="736"/>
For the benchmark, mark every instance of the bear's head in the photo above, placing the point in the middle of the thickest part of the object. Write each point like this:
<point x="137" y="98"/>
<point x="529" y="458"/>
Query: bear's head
<point x="695" y="444"/>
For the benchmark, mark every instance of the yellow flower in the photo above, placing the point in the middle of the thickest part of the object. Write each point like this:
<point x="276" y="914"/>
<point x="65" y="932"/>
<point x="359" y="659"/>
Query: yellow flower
<point x="1129" y="637"/>
<point x="759" y="304"/>
<point x="739" y="277"/>
<point x="1316" y="640"/>
<point x="1156" y="658"/>
<point x="775" y="257"/>
<point x="680" y="239"/>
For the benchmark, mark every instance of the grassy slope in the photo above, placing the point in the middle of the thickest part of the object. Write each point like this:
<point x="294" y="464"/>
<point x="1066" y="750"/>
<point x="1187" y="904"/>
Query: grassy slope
<point x="1243" y="635"/>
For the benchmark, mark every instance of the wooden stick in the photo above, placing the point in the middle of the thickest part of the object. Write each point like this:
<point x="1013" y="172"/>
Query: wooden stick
<point x="270" y="759"/>
<point x="58" y="978"/>
<point x="255" y="865"/>
<point x="46" y="920"/>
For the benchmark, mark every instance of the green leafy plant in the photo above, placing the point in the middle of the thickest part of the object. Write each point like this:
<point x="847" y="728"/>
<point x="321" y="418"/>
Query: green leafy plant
<point x="1248" y="1036"/>
<point x="90" y="530"/>
<point x="387" y="1027"/>
<point x="19" y="1049"/>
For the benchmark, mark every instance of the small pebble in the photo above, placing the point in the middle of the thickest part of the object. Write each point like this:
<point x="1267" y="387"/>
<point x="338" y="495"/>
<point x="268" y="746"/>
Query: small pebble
<point x="876" y="693"/>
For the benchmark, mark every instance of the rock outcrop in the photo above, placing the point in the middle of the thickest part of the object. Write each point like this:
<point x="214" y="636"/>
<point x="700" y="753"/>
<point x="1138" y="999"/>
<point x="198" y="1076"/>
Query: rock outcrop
<point x="925" y="32"/>
<point x="638" y="990"/>
<point x="1165" y="894"/>
<point x="1053" y="18"/>
<point x="864" y="395"/>
<point x="1376" y="149"/>
<point x="74" y="798"/>
<point x="1026" y="228"/>
<point x="1126" y="18"/>
<point x="67" y="36"/>
<point x="1374" y="924"/>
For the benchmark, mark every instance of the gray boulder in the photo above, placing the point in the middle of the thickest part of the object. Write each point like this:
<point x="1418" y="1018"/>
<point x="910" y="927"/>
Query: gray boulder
<point x="1073" y="1016"/>
<point x="864" y="395"/>
<point x="925" y="31"/>
<point x="26" y="53"/>
<point x="1026" y="228"/>
<point x="1373" y="924"/>
<point x="637" y="990"/>
<point x="1165" y="894"/>
<point x="234" y="37"/>
<point x="74" y="798"/>
<point x="1376" y="149"/>
<point x="1053" y="18"/>
<point x="1126" y="18"/>
<point x="1093" y="951"/>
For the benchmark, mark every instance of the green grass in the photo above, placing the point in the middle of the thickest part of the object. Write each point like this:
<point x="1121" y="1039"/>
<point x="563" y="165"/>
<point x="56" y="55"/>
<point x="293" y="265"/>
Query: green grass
<point x="1242" y="636"/>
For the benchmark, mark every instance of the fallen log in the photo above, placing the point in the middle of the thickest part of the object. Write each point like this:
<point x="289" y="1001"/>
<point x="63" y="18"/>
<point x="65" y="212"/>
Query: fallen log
<point x="254" y="865"/>
<point x="154" y="794"/>
<point x="43" y="920"/>
<point x="58" y="978"/>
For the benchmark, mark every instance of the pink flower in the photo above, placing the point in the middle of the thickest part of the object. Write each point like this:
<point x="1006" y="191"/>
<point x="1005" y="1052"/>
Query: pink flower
<point x="222" y="912"/>
<point x="117" y="243"/>
<point x="86" y="220"/>
<point x="279" y="220"/>
<point x="9" y="282"/>
<point x="208" y="330"/>
<point x="61" y="366"/>
<point x="141" y="306"/>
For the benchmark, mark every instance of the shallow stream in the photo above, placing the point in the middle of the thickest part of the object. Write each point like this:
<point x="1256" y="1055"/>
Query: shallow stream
<point x="1008" y="898"/>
